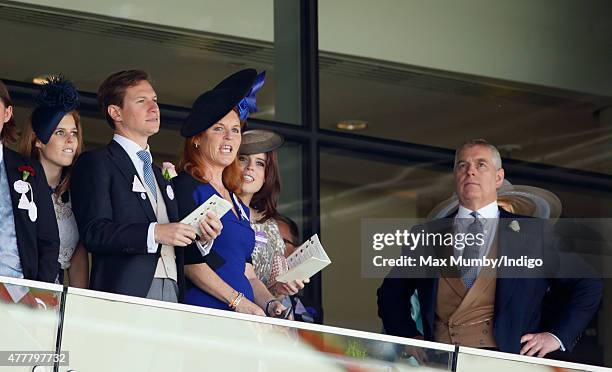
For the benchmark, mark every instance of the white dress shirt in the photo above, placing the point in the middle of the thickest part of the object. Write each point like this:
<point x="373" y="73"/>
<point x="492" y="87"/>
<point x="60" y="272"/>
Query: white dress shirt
<point x="489" y="216"/>
<point x="132" y="149"/>
<point x="16" y="292"/>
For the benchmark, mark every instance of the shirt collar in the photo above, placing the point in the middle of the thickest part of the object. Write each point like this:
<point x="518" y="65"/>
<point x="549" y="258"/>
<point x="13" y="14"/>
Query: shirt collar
<point x="490" y="210"/>
<point x="128" y="145"/>
<point x="1" y="153"/>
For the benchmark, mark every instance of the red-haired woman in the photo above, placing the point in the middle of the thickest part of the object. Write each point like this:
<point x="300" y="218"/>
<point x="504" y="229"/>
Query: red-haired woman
<point x="54" y="137"/>
<point x="218" y="267"/>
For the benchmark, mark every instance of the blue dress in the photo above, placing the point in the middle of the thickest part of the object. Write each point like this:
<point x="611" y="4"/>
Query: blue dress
<point x="231" y="250"/>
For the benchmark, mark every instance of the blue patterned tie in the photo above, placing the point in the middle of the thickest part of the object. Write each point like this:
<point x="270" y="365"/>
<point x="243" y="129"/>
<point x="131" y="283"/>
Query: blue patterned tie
<point x="472" y="251"/>
<point x="147" y="170"/>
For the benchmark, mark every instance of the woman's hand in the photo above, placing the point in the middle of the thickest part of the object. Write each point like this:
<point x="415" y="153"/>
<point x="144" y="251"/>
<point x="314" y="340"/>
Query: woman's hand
<point x="211" y="227"/>
<point x="289" y="288"/>
<point x="247" y="307"/>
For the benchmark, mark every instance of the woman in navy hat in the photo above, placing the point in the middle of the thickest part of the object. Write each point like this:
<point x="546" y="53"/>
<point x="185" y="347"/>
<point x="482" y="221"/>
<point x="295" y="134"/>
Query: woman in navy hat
<point x="260" y="190"/>
<point x="218" y="267"/>
<point x="54" y="137"/>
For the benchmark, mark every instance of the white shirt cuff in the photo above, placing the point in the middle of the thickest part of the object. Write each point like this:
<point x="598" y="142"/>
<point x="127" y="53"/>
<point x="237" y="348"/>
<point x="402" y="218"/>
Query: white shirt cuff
<point x="561" y="347"/>
<point x="16" y="292"/>
<point x="204" y="248"/>
<point x="151" y="244"/>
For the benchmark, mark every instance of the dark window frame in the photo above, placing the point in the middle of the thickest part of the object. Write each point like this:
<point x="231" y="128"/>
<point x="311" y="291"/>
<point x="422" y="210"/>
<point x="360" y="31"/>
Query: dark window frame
<point x="313" y="139"/>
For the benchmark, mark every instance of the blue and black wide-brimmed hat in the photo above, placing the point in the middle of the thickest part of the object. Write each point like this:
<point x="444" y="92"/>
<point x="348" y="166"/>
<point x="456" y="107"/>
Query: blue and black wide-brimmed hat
<point x="57" y="98"/>
<point x="237" y="90"/>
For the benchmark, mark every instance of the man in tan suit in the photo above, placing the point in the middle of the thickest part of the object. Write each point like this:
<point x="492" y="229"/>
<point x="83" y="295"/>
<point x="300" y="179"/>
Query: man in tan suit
<point x="477" y="307"/>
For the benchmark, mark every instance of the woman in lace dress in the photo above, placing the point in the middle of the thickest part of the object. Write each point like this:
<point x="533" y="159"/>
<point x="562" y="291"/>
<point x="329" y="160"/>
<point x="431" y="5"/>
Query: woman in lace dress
<point x="53" y="136"/>
<point x="260" y="190"/>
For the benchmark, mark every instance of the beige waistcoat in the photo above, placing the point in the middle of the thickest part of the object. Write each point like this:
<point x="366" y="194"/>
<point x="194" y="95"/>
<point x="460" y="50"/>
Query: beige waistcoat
<point x="166" y="265"/>
<point x="465" y="317"/>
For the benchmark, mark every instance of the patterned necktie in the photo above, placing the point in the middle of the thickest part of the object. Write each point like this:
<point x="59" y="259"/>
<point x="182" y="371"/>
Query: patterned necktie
<point x="147" y="171"/>
<point x="472" y="251"/>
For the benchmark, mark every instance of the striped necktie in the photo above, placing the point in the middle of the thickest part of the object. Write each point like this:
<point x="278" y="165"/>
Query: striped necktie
<point x="472" y="251"/>
<point x="147" y="171"/>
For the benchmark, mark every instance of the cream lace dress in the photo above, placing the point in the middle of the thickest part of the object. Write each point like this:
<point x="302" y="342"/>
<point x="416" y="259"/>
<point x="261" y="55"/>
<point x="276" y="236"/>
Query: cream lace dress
<point x="68" y="232"/>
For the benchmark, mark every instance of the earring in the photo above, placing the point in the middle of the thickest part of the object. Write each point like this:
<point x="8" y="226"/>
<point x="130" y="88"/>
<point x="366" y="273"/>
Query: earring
<point x="195" y="145"/>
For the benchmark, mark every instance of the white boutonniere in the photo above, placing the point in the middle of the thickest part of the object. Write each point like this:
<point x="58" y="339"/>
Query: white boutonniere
<point x="514" y="225"/>
<point x="168" y="171"/>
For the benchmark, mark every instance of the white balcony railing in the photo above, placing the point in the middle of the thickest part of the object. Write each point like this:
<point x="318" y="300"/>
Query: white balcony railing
<point x="107" y="332"/>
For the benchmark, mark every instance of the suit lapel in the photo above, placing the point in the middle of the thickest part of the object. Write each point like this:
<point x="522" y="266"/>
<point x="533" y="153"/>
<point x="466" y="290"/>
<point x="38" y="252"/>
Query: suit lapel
<point x="428" y="291"/>
<point x="25" y="230"/>
<point x="12" y="175"/>
<point x="507" y="241"/>
<point x="443" y="227"/>
<point x="171" y="206"/>
<point x="126" y="168"/>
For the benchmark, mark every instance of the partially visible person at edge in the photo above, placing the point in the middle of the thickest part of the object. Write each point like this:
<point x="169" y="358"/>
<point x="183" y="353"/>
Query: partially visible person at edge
<point x="219" y="272"/>
<point x="29" y="239"/>
<point x="290" y="233"/>
<point x="53" y="135"/>
<point x="260" y="189"/>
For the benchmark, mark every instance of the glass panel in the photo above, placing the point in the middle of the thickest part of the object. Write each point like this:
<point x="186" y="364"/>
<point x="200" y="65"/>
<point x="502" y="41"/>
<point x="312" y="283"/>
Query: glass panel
<point x="485" y="361"/>
<point x="576" y="201"/>
<point x="122" y="333"/>
<point x="352" y="188"/>
<point x="186" y="49"/>
<point x="291" y="201"/>
<point x="429" y="73"/>
<point x="29" y="318"/>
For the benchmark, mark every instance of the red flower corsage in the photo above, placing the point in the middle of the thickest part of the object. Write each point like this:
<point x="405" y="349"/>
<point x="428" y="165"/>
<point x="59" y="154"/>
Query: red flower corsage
<point x="26" y="171"/>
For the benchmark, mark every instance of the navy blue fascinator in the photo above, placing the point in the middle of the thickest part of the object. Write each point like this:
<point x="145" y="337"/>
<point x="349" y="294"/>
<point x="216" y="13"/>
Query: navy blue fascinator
<point x="56" y="98"/>
<point x="237" y="90"/>
<point x="248" y="104"/>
